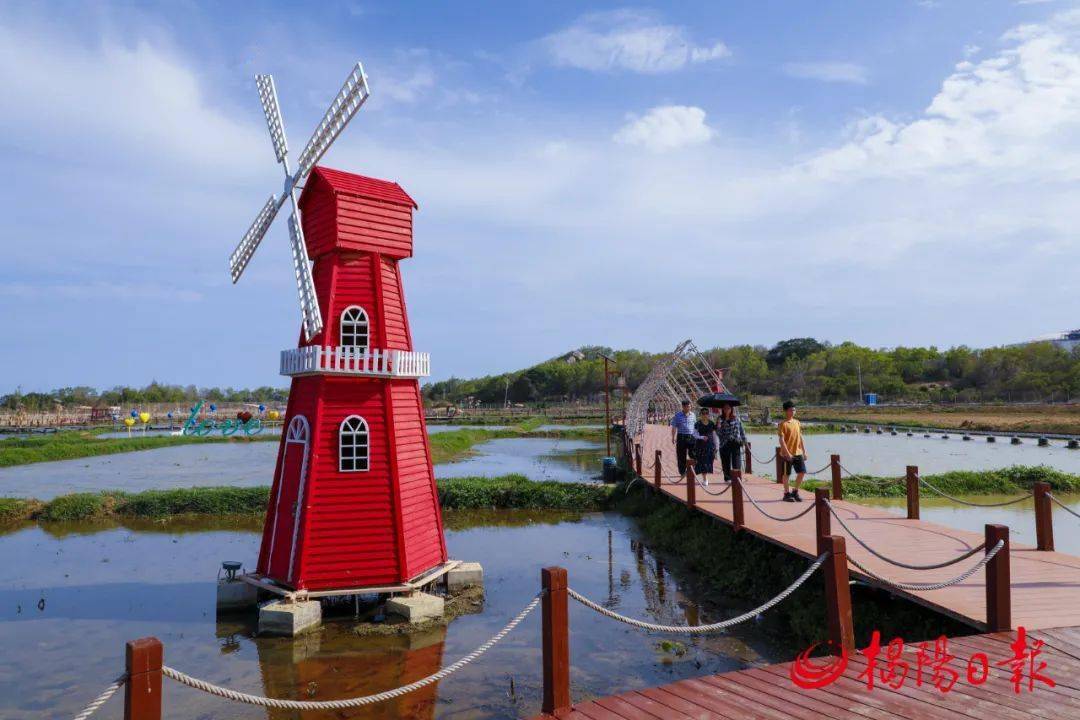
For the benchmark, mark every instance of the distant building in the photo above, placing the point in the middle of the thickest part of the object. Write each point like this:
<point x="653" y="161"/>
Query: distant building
<point x="1064" y="340"/>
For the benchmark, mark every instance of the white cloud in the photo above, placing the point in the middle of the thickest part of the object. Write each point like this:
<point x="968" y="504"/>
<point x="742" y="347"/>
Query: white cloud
<point x="1017" y="111"/>
<point x="843" y="72"/>
<point x="627" y="40"/>
<point x="666" y="127"/>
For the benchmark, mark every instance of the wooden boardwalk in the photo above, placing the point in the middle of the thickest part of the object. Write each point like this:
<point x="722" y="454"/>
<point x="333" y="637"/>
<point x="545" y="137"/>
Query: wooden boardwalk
<point x="1045" y="600"/>
<point x="768" y="693"/>
<point x="1045" y="585"/>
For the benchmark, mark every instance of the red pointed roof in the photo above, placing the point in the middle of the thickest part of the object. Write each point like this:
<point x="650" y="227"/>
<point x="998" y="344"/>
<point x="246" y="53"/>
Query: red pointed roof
<point x="361" y="186"/>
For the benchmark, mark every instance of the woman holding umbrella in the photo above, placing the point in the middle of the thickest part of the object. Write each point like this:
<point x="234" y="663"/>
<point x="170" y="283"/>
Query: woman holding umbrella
<point x="729" y="431"/>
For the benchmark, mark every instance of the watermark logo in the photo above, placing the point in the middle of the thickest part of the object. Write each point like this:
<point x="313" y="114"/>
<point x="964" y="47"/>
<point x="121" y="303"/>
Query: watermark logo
<point x="192" y="426"/>
<point x="932" y="666"/>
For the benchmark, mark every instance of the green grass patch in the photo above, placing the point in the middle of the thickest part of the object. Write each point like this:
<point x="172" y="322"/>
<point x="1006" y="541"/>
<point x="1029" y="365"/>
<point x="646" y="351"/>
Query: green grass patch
<point x="472" y="493"/>
<point x="517" y="491"/>
<point x="1013" y="480"/>
<point x="71" y="445"/>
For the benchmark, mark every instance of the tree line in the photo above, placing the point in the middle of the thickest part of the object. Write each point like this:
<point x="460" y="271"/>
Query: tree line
<point x="806" y="369"/>
<point x="154" y="393"/>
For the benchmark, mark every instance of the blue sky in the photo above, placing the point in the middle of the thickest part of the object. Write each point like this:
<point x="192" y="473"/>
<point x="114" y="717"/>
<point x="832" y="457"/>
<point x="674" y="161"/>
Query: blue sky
<point x="891" y="172"/>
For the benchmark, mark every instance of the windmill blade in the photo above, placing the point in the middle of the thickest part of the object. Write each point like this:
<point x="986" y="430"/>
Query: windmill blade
<point x="305" y="285"/>
<point x="274" y="123"/>
<point x="348" y="101"/>
<point x="243" y="252"/>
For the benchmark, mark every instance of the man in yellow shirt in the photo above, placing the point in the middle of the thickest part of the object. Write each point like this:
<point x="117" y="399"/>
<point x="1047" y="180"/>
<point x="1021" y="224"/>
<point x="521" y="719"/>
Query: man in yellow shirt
<point x="792" y="451"/>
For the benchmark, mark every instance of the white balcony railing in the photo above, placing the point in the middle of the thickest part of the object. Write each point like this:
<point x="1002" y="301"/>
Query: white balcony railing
<point x="315" y="359"/>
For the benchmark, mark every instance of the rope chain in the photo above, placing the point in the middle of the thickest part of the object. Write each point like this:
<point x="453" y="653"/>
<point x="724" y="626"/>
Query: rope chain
<point x="703" y="486"/>
<point x="972" y="504"/>
<point x="351" y="702"/>
<point x="1062" y="505"/>
<point x="700" y="629"/>
<point x="925" y="587"/>
<point x="897" y="563"/>
<point x="101" y="699"/>
<point x="759" y="460"/>
<point x="766" y="513"/>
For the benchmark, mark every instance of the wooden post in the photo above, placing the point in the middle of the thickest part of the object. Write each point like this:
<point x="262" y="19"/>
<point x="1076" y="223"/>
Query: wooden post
<point x="822" y="517"/>
<point x="912" y="492"/>
<point x="142" y="691"/>
<point x="779" y="465"/>
<point x="998" y="582"/>
<point x="837" y="593"/>
<point x="691" y="486"/>
<point x="555" y="641"/>
<point x="837" y="481"/>
<point x="637" y="457"/>
<point x="657" y="469"/>
<point x="1044" y="517"/>
<point x="738" y="520"/>
<point x="748" y="458"/>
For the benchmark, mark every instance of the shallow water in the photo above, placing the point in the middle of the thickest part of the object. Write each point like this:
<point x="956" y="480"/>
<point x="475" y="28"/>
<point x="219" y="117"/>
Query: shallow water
<point x="536" y="458"/>
<point x="886" y="455"/>
<point x="252" y="464"/>
<point x="99" y="587"/>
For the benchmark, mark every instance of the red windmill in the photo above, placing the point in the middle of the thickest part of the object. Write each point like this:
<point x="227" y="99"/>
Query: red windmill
<point x="353" y="503"/>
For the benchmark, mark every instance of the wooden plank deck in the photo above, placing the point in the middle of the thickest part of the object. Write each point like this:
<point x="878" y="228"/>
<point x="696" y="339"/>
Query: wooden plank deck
<point x="1045" y="585"/>
<point x="767" y="693"/>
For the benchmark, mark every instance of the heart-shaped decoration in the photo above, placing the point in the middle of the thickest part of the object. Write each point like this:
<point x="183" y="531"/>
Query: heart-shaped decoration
<point x="243" y="416"/>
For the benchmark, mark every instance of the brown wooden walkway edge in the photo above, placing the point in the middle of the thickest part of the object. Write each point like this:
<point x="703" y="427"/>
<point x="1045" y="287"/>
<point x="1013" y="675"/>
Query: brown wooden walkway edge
<point x="768" y="693"/>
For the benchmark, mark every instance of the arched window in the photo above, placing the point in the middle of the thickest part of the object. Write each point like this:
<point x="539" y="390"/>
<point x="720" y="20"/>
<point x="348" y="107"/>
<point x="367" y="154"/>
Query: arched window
<point x="354" y="327"/>
<point x="353" y="445"/>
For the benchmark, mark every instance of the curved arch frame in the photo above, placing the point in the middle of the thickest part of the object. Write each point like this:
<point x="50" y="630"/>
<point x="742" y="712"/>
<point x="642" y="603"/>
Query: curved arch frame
<point x="685" y="373"/>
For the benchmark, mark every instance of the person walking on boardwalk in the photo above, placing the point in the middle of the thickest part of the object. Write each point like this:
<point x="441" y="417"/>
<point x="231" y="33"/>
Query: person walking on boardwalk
<point x="792" y="451"/>
<point x="730" y="437"/>
<point x="682" y="435"/>
<point x="705" y="449"/>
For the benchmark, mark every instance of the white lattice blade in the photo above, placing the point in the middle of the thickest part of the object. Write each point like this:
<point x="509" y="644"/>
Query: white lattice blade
<point x="348" y="101"/>
<point x="274" y="123"/>
<point x="305" y="285"/>
<point x="243" y="252"/>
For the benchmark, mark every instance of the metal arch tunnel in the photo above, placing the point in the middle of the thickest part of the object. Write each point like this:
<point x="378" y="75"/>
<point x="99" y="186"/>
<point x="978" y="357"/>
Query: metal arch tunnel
<point x="684" y="374"/>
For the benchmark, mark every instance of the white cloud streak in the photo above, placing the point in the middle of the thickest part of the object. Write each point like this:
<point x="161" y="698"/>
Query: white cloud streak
<point x="838" y="72"/>
<point x="627" y="40"/>
<point x="667" y="127"/>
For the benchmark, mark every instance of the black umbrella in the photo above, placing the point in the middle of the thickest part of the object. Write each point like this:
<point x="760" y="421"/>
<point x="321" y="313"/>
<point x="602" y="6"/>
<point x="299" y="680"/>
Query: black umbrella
<point x="715" y="400"/>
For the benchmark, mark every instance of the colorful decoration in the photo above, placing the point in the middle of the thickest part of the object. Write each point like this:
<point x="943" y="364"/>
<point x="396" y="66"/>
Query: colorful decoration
<point x="192" y="426"/>
<point x="243" y="416"/>
<point x="273" y="414"/>
<point x="134" y="413"/>
<point x="129" y="421"/>
<point x="262" y="408"/>
<point x="145" y="417"/>
<point x="213" y="407"/>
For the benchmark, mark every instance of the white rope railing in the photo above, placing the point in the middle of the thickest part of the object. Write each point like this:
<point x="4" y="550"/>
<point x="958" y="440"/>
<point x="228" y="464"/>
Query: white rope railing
<point x="765" y="512"/>
<point x="1062" y="505"/>
<point x="897" y="563"/>
<point x="101" y="699"/>
<point x="947" y="496"/>
<point x="926" y="587"/>
<point x="350" y="702"/>
<point x="701" y="629"/>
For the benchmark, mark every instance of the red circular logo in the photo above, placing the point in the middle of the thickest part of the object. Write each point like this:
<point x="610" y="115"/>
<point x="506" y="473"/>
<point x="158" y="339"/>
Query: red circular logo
<point x="810" y="673"/>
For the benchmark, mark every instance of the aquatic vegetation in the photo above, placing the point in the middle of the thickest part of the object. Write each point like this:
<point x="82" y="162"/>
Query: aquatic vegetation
<point x="456" y="444"/>
<point x="517" y="491"/>
<point x="1006" y="481"/>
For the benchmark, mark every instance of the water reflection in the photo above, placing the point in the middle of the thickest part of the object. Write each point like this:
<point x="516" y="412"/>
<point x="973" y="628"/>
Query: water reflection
<point x="102" y="585"/>
<point x="536" y="458"/>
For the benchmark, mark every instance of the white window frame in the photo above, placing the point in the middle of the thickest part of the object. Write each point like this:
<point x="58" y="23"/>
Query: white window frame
<point x="361" y="322"/>
<point x="353" y="434"/>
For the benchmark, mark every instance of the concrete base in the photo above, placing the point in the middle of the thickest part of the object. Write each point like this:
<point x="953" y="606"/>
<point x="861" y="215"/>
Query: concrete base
<point x="465" y="575"/>
<point x="236" y="595"/>
<point x="289" y="619"/>
<point x="417" y="607"/>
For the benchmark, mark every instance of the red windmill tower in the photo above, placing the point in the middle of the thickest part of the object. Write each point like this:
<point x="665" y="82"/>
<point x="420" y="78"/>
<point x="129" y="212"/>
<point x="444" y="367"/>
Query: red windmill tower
<point x="353" y="503"/>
